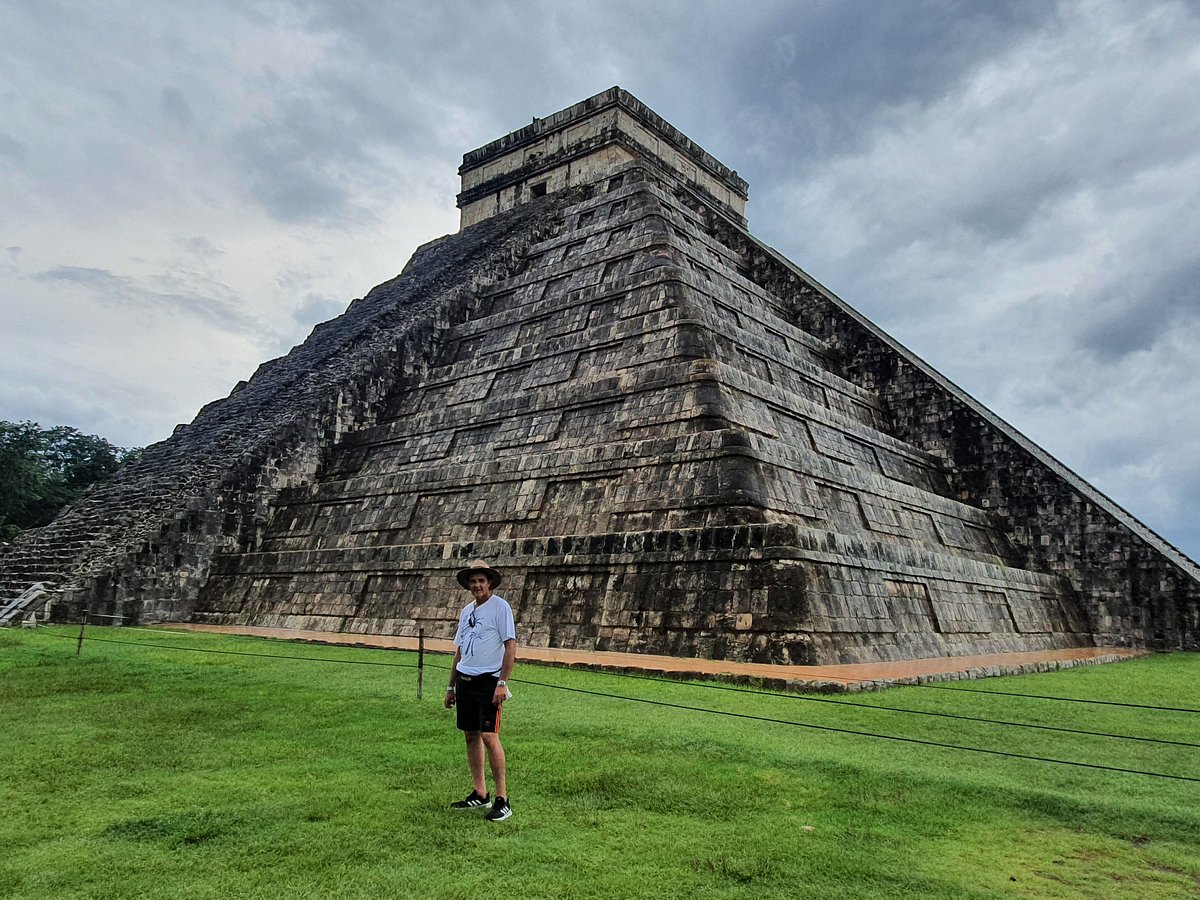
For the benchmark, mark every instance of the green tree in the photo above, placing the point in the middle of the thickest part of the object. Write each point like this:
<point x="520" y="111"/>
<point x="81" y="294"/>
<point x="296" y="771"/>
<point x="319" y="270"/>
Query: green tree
<point x="44" y="469"/>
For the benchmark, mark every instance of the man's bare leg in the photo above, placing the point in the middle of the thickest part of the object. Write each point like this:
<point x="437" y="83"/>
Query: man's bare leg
<point x="495" y="753"/>
<point x="475" y="760"/>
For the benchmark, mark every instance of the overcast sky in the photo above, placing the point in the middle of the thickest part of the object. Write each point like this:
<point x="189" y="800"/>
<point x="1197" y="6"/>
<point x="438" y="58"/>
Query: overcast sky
<point x="1010" y="189"/>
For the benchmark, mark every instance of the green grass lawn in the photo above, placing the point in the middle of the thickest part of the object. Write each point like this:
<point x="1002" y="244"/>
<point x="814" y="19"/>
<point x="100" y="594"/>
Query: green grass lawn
<point x="140" y="771"/>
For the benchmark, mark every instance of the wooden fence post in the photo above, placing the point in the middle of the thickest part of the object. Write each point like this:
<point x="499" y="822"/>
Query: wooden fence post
<point x="420" y="663"/>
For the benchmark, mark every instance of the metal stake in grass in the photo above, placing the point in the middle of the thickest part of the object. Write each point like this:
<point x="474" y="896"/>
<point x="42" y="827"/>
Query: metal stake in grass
<point x="420" y="663"/>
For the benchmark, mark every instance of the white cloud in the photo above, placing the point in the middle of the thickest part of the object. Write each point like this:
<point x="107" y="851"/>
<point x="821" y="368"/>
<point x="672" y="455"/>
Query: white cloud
<point x="141" y="269"/>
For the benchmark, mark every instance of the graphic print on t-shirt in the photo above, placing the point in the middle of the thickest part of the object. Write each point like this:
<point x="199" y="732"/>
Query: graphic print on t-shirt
<point x="471" y="636"/>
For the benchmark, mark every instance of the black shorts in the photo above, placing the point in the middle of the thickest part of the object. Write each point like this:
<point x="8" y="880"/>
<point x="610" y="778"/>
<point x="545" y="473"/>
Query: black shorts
<point x="476" y="711"/>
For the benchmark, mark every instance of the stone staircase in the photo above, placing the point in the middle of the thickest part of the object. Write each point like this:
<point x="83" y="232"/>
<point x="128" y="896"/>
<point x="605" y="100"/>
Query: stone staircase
<point x="25" y="607"/>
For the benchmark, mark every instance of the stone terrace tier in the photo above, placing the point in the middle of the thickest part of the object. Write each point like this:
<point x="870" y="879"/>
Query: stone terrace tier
<point x="661" y="461"/>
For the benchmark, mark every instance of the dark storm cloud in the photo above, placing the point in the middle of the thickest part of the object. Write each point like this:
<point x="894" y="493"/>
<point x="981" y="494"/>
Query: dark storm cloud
<point x="1186" y="534"/>
<point x="391" y="87"/>
<point x="293" y="157"/>
<point x="174" y="106"/>
<point x="459" y="62"/>
<point x="12" y="149"/>
<point x="439" y="46"/>
<point x="221" y="312"/>
<point x="1025" y="138"/>
<point x="804" y="80"/>
<point x="865" y="54"/>
<point x="200" y="247"/>
<point x="1006" y="205"/>
<point x="313" y="152"/>
<point x="85" y="277"/>
<point x="316" y="308"/>
<point x="1135" y="316"/>
<point x="773" y="87"/>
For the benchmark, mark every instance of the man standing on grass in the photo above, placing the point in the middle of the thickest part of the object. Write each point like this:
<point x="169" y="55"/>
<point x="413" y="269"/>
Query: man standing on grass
<point x="485" y="651"/>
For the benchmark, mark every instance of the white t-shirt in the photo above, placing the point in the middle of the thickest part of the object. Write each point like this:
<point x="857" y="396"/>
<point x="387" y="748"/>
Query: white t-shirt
<point x="482" y="631"/>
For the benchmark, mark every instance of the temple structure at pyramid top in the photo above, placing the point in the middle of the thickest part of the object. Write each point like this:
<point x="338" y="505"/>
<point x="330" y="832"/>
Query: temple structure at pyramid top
<point x="586" y="143"/>
<point x="669" y="437"/>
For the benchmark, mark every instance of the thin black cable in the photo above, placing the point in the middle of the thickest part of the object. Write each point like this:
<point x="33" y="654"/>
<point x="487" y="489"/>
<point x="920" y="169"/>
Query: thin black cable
<point x="353" y="662"/>
<point x="941" y="687"/>
<point x="946" y="687"/>
<point x="900" y="709"/>
<point x="965" y="690"/>
<point x="715" y="712"/>
<point x="937" y="687"/>
<point x="154" y="630"/>
<point x="916" y="712"/>
<point x="808" y="699"/>
<point x="888" y="737"/>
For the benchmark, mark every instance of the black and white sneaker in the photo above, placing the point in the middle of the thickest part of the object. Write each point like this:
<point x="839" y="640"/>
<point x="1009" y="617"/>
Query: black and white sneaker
<point x="500" y="810"/>
<point x="471" y="801"/>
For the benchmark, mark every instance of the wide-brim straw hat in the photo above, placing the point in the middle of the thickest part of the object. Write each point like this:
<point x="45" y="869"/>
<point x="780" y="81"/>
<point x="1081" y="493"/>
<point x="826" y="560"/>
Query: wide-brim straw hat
<point x="479" y="565"/>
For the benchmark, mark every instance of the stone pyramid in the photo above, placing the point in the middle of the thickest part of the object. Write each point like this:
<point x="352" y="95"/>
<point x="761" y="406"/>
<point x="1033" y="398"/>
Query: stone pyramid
<point x="669" y="438"/>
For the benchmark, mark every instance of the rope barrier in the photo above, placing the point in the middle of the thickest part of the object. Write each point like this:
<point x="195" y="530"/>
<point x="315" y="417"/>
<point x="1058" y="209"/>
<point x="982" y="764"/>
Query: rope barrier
<point x="748" y="716"/>
<point x="942" y="687"/>
<point x="797" y="697"/>
<point x="889" y="737"/>
<point x="965" y="690"/>
<point x="916" y="712"/>
<point x="353" y="662"/>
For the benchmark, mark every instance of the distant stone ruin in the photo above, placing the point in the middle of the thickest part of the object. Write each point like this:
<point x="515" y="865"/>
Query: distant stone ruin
<point x="669" y="437"/>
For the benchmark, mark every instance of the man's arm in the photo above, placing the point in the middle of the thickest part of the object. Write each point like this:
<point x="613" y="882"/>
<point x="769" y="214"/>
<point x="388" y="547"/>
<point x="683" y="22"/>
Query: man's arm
<point x="510" y="659"/>
<point x="452" y="687"/>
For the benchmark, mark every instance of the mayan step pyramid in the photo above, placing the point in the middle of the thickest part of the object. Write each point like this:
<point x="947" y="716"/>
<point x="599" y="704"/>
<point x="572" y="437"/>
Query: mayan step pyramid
<point x="669" y="437"/>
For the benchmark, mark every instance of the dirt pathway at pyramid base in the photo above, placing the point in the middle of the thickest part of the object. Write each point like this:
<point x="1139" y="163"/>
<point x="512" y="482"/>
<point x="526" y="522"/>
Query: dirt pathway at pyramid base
<point x="850" y="677"/>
